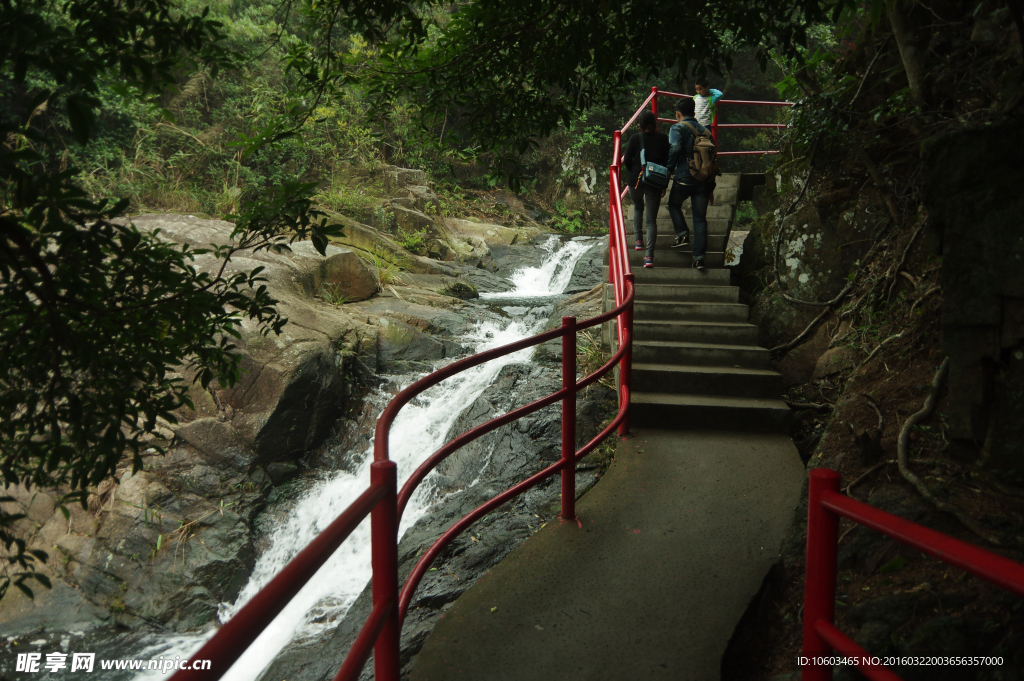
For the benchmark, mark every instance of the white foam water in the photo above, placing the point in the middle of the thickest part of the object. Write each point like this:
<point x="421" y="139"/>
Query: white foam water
<point x="552" y="276"/>
<point x="420" y="429"/>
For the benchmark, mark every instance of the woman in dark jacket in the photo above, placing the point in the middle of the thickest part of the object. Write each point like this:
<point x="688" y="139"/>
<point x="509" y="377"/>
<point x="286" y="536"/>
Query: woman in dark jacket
<point x="646" y="199"/>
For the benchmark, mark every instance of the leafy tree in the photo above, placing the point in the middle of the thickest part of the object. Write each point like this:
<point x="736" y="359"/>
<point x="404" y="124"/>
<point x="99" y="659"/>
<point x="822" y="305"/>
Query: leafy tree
<point x="514" y="71"/>
<point x="94" y="314"/>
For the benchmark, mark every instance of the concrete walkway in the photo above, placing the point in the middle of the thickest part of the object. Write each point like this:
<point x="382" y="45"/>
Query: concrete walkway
<point x="672" y="544"/>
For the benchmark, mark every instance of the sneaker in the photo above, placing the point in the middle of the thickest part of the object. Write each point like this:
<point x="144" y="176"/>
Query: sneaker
<point x="639" y="245"/>
<point x="648" y="261"/>
<point x="682" y="241"/>
<point x="698" y="265"/>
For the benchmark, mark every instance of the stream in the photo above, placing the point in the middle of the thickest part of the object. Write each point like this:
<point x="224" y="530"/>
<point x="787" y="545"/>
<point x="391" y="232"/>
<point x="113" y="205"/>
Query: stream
<point x="420" y="429"/>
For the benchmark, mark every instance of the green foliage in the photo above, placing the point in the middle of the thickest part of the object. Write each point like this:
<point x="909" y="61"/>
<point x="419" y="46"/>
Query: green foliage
<point x="97" y="317"/>
<point x="516" y="71"/>
<point x="566" y="220"/>
<point x="414" y="242"/>
<point x="354" y="203"/>
<point x="746" y="213"/>
<point x="386" y="267"/>
<point x="384" y="219"/>
<point x="572" y="221"/>
<point x="586" y="148"/>
<point x="22" y="558"/>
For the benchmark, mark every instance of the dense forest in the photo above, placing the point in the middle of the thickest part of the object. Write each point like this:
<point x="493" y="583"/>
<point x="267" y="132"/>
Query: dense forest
<point x="882" y="261"/>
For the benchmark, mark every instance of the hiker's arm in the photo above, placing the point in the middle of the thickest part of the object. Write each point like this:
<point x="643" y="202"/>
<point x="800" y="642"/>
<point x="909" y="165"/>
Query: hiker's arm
<point x="715" y="96"/>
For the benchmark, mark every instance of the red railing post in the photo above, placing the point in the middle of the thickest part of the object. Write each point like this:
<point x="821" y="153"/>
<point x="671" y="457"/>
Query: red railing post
<point x="569" y="419"/>
<point x="626" y="368"/>
<point x="384" y="560"/>
<point x="820" y="572"/>
<point x="654" y="102"/>
<point x="714" y="127"/>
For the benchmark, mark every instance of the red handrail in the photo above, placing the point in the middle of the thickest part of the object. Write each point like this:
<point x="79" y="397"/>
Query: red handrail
<point x="825" y="506"/>
<point x="715" y="125"/>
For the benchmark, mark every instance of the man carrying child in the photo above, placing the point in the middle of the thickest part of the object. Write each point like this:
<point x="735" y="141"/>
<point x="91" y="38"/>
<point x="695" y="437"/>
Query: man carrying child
<point x="681" y="138"/>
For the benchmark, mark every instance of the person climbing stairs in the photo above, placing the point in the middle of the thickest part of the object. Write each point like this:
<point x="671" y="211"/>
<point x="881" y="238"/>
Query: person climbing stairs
<point x="696" y="362"/>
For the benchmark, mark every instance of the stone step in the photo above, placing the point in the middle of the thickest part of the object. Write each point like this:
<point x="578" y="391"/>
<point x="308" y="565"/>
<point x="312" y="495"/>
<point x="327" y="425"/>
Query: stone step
<point x="729" y="333"/>
<point x="728" y="180"/>
<point x="665" y="226"/>
<point x="702" y="380"/>
<point x="678" y="275"/>
<point x="716" y="242"/>
<point x="692" y="312"/>
<point x="706" y="412"/>
<point x="703" y="294"/>
<point x="700" y="354"/>
<point x="671" y="258"/>
<point x="721" y="211"/>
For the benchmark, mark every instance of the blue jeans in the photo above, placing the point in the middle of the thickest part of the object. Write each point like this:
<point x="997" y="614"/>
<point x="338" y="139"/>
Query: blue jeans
<point x="699" y="197"/>
<point x="646" y="201"/>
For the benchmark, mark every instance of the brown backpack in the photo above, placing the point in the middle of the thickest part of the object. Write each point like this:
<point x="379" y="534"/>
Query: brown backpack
<point x="704" y="164"/>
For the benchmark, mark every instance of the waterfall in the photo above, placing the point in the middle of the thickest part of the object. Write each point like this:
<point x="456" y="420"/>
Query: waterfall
<point x="419" y="430"/>
<point x="552" y="276"/>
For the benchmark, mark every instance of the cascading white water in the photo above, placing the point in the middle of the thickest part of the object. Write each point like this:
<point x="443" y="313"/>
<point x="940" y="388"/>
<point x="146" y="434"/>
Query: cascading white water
<point x="552" y="276"/>
<point x="419" y="430"/>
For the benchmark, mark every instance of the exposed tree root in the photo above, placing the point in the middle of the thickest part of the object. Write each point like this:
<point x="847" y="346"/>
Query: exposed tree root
<point x="903" y="261"/>
<point x="864" y="476"/>
<point x="780" y="351"/>
<point x="872" y="355"/>
<point x="903" y="451"/>
<point x="921" y="299"/>
<point x="820" y="406"/>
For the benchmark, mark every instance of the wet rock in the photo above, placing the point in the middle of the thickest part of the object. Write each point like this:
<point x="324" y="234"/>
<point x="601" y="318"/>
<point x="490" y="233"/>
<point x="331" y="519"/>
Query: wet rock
<point x="433" y="320"/>
<point x="483" y="280"/>
<point x="589" y="270"/>
<point x="400" y="343"/>
<point x="461" y="290"/>
<point x="281" y="472"/>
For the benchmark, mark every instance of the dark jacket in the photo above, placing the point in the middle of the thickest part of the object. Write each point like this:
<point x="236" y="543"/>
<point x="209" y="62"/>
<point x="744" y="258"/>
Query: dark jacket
<point x="681" y="141"/>
<point x="656" y="149"/>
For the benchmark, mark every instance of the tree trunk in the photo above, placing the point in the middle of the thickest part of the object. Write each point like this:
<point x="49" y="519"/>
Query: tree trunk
<point x="906" y="26"/>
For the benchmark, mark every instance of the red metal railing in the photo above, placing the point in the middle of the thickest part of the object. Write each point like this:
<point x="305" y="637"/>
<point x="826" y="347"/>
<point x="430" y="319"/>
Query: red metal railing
<point x="385" y="504"/>
<point x="715" y="125"/>
<point x="825" y="506"/>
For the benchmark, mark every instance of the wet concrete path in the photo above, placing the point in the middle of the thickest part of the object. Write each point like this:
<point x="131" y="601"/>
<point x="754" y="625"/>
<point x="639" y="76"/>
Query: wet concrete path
<point x="670" y="547"/>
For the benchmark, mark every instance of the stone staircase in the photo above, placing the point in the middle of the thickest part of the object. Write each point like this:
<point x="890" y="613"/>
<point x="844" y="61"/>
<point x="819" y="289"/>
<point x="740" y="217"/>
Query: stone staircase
<point x="696" y="363"/>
